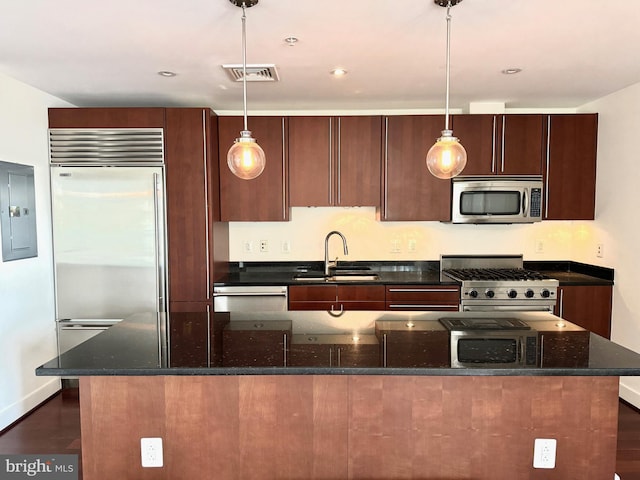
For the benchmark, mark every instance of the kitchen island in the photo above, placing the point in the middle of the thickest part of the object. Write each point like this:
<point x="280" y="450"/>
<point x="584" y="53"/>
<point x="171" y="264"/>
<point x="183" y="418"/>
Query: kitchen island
<point x="334" y="421"/>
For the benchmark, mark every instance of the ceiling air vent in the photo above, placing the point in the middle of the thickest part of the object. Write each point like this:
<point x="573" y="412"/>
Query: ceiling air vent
<point x="255" y="73"/>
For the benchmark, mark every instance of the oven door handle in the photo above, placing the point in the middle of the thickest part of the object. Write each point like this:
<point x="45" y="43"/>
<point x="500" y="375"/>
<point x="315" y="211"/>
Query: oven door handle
<point x="507" y="308"/>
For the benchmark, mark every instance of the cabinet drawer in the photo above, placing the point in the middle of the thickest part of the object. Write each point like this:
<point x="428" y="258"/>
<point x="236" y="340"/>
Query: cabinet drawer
<point x="422" y="297"/>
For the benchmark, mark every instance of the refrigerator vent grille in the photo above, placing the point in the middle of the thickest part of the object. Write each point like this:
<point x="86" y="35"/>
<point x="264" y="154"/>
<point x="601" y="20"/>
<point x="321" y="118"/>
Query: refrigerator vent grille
<point x="106" y="145"/>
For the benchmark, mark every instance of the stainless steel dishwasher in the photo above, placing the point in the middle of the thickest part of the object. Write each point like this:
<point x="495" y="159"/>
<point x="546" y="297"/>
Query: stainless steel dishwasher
<point x="250" y="299"/>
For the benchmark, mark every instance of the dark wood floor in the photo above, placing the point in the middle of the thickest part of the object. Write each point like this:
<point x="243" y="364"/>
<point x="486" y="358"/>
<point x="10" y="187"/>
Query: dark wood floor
<point x="54" y="427"/>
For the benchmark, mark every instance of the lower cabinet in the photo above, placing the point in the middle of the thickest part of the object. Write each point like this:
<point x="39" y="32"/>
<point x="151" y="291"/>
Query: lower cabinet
<point x="338" y="297"/>
<point x="418" y="344"/>
<point x="422" y="297"/>
<point x="256" y="344"/>
<point x="588" y="306"/>
<point x="564" y="349"/>
<point x="334" y="351"/>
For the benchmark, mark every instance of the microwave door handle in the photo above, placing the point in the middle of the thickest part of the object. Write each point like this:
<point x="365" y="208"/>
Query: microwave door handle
<point x="525" y="202"/>
<point x="521" y="352"/>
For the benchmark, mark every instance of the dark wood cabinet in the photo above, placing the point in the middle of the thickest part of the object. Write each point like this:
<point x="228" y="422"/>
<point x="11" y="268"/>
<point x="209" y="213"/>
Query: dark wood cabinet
<point x="99" y="117"/>
<point x="422" y="297"/>
<point x="417" y="344"/>
<point x="588" y="306"/>
<point x="564" y="349"/>
<point x="335" y="161"/>
<point x="511" y="144"/>
<point x="410" y="192"/>
<point x="256" y="344"/>
<point x="337" y="298"/>
<point x="265" y="197"/>
<point x="328" y="350"/>
<point x="570" y="173"/>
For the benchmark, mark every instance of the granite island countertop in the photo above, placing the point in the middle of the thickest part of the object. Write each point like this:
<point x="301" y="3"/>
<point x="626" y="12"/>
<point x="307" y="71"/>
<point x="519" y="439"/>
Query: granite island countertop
<point x="132" y="347"/>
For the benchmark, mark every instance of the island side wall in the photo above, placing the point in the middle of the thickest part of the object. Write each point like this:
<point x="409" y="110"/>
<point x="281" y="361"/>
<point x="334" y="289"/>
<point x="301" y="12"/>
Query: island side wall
<point x="356" y="427"/>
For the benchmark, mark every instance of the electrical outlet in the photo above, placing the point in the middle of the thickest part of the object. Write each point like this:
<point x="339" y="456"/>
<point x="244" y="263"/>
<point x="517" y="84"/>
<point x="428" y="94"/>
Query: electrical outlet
<point x="264" y="246"/>
<point x="286" y="246"/>
<point x="600" y="250"/>
<point x="539" y="246"/>
<point x="395" y="246"/>
<point x="247" y="246"/>
<point x="411" y="245"/>
<point x="544" y="453"/>
<point x="151" y="452"/>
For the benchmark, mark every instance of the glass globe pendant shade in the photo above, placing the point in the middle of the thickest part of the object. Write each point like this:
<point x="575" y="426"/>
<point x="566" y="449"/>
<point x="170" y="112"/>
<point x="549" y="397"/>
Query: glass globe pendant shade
<point x="246" y="158"/>
<point x="447" y="157"/>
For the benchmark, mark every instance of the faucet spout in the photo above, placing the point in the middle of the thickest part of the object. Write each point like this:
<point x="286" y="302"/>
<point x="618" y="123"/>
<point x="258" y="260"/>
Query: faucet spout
<point x="327" y="263"/>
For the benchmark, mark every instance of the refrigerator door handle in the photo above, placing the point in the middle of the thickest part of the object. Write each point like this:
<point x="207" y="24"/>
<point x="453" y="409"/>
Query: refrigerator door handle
<point x="160" y="264"/>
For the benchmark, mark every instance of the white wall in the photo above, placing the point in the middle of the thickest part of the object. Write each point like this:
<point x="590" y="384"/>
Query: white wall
<point x="370" y="239"/>
<point x="617" y="216"/>
<point x="27" y="329"/>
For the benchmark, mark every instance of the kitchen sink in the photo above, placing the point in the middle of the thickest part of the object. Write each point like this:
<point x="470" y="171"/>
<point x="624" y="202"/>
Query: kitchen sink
<point x="341" y="276"/>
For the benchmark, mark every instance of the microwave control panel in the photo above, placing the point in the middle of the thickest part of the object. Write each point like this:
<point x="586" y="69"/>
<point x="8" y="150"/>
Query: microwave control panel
<point x="536" y="203"/>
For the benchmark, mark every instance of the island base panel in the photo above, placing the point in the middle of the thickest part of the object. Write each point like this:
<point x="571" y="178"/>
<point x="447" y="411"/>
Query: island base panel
<point x="348" y="426"/>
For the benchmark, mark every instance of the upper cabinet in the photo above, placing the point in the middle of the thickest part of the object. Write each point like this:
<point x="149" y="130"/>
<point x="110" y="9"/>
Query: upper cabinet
<point x="570" y="172"/>
<point x="501" y="144"/>
<point x="335" y="161"/>
<point x="265" y="197"/>
<point x="410" y="192"/>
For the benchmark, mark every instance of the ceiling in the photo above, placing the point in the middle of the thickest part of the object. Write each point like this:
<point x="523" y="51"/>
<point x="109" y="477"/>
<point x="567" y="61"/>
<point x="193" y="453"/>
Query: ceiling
<point x="108" y="53"/>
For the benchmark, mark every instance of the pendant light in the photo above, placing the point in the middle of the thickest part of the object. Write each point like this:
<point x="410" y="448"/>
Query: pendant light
<point x="447" y="157"/>
<point x="245" y="158"/>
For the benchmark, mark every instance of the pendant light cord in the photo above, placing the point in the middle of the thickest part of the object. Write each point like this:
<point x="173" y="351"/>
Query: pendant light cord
<point x="244" y="63"/>
<point x="446" y="104"/>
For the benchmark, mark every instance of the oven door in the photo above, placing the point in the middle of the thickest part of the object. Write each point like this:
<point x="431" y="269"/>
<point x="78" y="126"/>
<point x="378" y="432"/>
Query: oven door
<point x="507" y="306"/>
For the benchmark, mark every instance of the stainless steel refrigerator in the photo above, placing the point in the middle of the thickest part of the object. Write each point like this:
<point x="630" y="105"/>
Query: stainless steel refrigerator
<point x="109" y="231"/>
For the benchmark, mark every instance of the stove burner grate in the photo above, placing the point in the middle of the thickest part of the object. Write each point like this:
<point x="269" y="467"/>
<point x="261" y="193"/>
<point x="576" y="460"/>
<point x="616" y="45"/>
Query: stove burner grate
<point x="495" y="274"/>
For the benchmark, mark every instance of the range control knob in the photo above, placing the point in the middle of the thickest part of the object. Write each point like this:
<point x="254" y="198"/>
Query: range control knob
<point x="489" y="293"/>
<point x="545" y="293"/>
<point x="512" y="293"/>
<point x="473" y="293"/>
<point x="529" y="293"/>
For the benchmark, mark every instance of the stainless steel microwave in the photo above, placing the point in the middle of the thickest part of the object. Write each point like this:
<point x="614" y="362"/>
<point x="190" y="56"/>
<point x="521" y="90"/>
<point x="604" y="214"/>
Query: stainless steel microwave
<point x="494" y="349"/>
<point x="497" y="199"/>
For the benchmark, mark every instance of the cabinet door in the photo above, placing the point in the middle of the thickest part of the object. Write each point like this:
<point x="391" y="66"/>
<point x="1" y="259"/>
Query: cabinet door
<point x="564" y="349"/>
<point x="358" y="161"/>
<point x="188" y="161"/>
<point x="189" y="335"/>
<point x="410" y="192"/>
<point x="414" y="349"/>
<point x="477" y="133"/>
<point x="310" y="162"/>
<point x="263" y="198"/>
<point x="521" y="149"/>
<point x="357" y="354"/>
<point x="588" y="306"/>
<point x="571" y="167"/>
<point x="101" y="117"/>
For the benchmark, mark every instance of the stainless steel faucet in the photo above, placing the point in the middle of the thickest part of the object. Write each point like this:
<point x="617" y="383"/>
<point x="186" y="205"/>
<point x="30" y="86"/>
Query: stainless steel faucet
<point x="327" y="263"/>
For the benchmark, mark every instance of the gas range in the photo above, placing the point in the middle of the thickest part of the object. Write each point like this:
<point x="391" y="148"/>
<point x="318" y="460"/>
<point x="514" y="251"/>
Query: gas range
<point x="499" y="282"/>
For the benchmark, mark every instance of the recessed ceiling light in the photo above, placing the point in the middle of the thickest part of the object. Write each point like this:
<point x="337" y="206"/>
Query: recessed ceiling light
<point x="291" y="40"/>
<point x="511" y="71"/>
<point x="338" y="72"/>
<point x="166" y="73"/>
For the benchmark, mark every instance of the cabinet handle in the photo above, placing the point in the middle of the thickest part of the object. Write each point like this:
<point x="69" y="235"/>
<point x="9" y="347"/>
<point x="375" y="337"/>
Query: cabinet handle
<point x="330" y="161"/>
<point x="284" y="174"/>
<point x="338" y="163"/>
<point x="386" y="166"/>
<point x="384" y="350"/>
<point x="330" y="356"/>
<point x="205" y="159"/>
<point x="338" y="351"/>
<point x="541" y="350"/>
<point x="561" y="302"/>
<point x="208" y="335"/>
<point x="422" y="306"/>
<point x="504" y="127"/>
<point x="284" y="348"/>
<point x="333" y="312"/>
<point x="546" y="180"/>
<point x="493" y="147"/>
<point x="423" y="289"/>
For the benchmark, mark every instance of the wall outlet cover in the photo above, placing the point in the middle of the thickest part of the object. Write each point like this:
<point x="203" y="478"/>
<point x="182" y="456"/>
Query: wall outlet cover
<point x="544" y="453"/>
<point x="151" y="452"/>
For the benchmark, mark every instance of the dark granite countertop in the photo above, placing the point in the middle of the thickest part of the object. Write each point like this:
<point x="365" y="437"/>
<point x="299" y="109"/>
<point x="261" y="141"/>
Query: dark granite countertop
<point x="402" y="272"/>
<point x="132" y="347"/>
